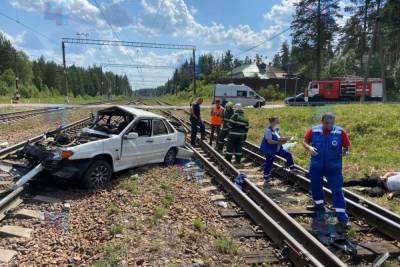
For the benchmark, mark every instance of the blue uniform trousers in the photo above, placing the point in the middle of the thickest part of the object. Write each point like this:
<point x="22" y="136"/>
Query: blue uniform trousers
<point x="335" y="181"/>
<point x="269" y="161"/>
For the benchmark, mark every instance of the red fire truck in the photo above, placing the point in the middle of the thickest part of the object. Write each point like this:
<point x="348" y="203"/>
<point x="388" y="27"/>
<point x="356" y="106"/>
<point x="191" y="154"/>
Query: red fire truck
<point x="343" y="90"/>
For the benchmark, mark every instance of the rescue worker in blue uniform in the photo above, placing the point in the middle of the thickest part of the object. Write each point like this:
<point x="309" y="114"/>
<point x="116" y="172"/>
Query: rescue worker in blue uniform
<point x="271" y="146"/>
<point x="327" y="144"/>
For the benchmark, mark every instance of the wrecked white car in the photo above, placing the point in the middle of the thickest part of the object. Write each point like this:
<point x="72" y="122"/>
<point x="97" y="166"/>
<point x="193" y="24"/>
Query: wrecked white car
<point x="119" y="138"/>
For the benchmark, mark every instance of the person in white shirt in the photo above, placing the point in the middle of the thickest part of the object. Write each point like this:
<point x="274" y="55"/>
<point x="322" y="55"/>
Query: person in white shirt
<point x="377" y="186"/>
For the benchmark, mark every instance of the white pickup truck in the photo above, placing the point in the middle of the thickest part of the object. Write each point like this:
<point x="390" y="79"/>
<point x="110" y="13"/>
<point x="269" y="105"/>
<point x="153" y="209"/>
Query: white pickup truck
<point x="119" y="138"/>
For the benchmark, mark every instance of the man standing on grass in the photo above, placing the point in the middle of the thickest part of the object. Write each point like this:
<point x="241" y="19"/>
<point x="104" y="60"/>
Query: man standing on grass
<point x="327" y="143"/>
<point x="216" y="119"/>
<point x="196" y="121"/>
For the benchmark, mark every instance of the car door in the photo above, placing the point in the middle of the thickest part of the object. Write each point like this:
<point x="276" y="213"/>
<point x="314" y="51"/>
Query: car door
<point x="162" y="139"/>
<point x="138" y="151"/>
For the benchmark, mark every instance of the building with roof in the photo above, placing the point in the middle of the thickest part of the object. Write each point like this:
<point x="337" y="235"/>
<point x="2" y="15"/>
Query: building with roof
<point x="254" y="70"/>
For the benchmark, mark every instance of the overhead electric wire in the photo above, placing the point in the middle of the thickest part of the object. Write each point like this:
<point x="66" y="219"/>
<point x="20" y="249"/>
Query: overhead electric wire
<point x="278" y="34"/>
<point x="111" y="27"/>
<point x="24" y="25"/>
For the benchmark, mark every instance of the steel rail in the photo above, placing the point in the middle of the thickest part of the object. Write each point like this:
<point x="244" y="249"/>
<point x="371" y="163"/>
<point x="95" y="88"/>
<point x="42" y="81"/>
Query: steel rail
<point x="359" y="205"/>
<point x="347" y="193"/>
<point x="14" y="116"/>
<point x="8" y="199"/>
<point x="20" y="112"/>
<point x="382" y="223"/>
<point x="5" y="151"/>
<point x="292" y="229"/>
<point x="276" y="223"/>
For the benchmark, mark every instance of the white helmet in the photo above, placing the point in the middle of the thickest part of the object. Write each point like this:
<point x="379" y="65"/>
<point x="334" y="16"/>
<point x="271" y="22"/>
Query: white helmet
<point x="238" y="106"/>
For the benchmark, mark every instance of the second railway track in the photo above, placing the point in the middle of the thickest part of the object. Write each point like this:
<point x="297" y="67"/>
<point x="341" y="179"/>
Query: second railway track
<point x="375" y="231"/>
<point x="11" y="117"/>
<point x="12" y="200"/>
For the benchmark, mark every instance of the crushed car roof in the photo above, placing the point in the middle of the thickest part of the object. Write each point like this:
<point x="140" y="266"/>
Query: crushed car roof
<point x="134" y="111"/>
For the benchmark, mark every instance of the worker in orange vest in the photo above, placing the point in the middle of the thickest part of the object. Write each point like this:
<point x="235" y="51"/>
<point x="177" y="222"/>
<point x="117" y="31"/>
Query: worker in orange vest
<point x="217" y="114"/>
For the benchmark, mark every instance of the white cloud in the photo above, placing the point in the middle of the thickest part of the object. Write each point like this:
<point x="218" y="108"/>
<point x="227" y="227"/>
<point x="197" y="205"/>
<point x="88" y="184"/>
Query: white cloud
<point x="61" y="11"/>
<point x="174" y="18"/>
<point x="17" y="40"/>
<point x="281" y="14"/>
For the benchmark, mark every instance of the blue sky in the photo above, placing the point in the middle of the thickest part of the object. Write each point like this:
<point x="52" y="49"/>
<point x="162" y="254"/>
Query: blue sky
<point x="211" y="25"/>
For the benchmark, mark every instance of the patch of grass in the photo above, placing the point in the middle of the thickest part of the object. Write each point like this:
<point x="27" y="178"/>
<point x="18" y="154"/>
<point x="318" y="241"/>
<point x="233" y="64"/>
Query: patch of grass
<point x="227" y="246"/>
<point x="165" y="186"/>
<point x="111" y="256"/>
<point x="131" y="185"/>
<point x="182" y="233"/>
<point x="116" y="229"/>
<point x="198" y="224"/>
<point x="303" y="219"/>
<point x="159" y="213"/>
<point x="351" y="233"/>
<point x="363" y="122"/>
<point x="156" y="245"/>
<point x="111" y="209"/>
<point x="168" y="199"/>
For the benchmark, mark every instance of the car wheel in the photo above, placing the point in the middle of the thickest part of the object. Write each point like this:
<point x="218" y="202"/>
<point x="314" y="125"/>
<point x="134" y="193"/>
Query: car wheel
<point x="257" y="105"/>
<point x="97" y="175"/>
<point x="170" y="157"/>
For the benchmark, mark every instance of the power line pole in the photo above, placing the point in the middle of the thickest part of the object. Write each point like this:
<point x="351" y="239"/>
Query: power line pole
<point x="194" y="72"/>
<point x="16" y="72"/>
<point x="318" y="39"/>
<point x="65" y="86"/>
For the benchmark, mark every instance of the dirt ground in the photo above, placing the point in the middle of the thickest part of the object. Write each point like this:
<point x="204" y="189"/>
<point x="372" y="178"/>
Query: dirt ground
<point x="151" y="216"/>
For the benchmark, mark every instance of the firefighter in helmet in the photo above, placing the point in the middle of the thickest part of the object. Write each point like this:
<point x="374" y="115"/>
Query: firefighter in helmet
<point x="239" y="126"/>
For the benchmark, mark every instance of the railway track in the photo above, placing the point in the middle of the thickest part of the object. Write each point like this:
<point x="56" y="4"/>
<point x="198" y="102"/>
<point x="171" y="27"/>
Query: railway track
<point x="12" y="200"/>
<point x="355" y="200"/>
<point x="375" y="232"/>
<point x="20" y="115"/>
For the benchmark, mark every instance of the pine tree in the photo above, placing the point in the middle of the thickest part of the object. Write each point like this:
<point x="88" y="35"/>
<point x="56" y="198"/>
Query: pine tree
<point x="313" y="27"/>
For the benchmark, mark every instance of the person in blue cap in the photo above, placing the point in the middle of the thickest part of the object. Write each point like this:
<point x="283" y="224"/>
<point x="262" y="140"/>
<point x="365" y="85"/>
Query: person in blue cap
<point x="327" y="143"/>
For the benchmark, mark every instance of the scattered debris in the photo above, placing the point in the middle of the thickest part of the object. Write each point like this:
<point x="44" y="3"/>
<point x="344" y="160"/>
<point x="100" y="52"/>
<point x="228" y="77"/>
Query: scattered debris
<point x="3" y="145"/>
<point x="223" y="204"/>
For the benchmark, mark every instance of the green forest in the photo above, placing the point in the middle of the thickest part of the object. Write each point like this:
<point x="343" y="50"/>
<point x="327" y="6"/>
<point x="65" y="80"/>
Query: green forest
<point x="44" y="79"/>
<point x="368" y="44"/>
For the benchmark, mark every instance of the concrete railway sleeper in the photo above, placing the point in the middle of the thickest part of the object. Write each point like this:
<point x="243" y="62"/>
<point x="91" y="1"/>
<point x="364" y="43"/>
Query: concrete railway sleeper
<point x="302" y="249"/>
<point x="379" y="249"/>
<point x="383" y="219"/>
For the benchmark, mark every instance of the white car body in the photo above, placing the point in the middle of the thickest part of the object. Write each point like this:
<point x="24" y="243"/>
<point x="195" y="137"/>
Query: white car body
<point x="127" y="152"/>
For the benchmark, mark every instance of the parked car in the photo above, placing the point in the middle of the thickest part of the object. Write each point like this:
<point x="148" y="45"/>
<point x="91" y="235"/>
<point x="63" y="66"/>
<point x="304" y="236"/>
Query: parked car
<point x="119" y="138"/>
<point x="238" y="94"/>
<point x="292" y="99"/>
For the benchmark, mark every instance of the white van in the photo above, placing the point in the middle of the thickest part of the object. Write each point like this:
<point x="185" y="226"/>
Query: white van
<point x="238" y="94"/>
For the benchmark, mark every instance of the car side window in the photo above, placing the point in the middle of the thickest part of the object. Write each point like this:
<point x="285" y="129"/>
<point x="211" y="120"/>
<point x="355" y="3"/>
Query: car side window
<point x="142" y="128"/>
<point x="169" y="127"/>
<point x="242" y="93"/>
<point x="159" y="127"/>
<point x="251" y="93"/>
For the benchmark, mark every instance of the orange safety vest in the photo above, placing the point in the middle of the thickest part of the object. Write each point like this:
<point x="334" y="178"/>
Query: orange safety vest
<point x="217" y="115"/>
